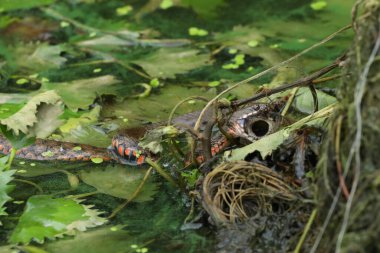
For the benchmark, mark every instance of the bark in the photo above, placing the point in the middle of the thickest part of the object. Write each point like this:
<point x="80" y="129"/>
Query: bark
<point x="353" y="145"/>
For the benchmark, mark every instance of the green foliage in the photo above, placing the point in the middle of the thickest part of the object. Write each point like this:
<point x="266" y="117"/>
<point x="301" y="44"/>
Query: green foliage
<point x="304" y="100"/>
<point x="191" y="177"/>
<point x="88" y="89"/>
<point x="96" y="241"/>
<point x="152" y="141"/>
<point x="46" y="217"/>
<point x="6" y="177"/>
<point x="269" y="143"/>
<point x="39" y="117"/>
<point x="10" y="5"/>
<point x="167" y="62"/>
<point x="119" y="181"/>
<point x="43" y="57"/>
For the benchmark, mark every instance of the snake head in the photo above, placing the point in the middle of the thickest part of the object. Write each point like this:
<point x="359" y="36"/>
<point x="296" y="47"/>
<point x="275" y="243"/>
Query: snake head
<point x="254" y="122"/>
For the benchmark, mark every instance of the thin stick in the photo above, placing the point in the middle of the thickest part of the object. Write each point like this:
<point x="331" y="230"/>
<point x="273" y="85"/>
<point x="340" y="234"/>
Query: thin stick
<point x="328" y="38"/>
<point x="305" y="231"/>
<point x="161" y="171"/>
<point x="30" y="183"/>
<point x="301" y="82"/>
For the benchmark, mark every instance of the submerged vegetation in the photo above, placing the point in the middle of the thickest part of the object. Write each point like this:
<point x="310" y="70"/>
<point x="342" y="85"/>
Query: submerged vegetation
<point x="213" y="113"/>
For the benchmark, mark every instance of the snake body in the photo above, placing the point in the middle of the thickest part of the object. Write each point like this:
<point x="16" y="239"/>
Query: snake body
<point x="125" y="150"/>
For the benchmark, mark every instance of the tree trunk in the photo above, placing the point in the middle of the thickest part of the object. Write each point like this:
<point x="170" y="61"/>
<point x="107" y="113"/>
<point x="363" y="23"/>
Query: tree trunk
<point x="349" y="206"/>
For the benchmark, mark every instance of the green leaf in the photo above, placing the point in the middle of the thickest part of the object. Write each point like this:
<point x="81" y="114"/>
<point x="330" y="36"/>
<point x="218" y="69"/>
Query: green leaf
<point x="207" y="9"/>
<point x="104" y="239"/>
<point x="10" y="5"/>
<point x="153" y="139"/>
<point x="271" y="142"/>
<point x="123" y="185"/>
<point x="5" y="188"/>
<point x="45" y="217"/>
<point x="45" y="56"/>
<point x="88" y="89"/>
<point x="319" y="5"/>
<point x="167" y="62"/>
<point x="84" y="120"/>
<point x="240" y="35"/>
<point x="93" y="220"/>
<point x="304" y="100"/>
<point x="90" y="135"/>
<point x="39" y="117"/>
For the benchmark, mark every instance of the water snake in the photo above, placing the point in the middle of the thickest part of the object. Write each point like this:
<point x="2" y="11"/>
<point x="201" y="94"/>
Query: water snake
<point x="244" y="126"/>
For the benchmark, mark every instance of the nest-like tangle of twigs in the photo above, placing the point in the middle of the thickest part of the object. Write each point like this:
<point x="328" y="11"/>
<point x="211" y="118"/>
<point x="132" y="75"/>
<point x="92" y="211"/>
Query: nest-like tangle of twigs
<point x="238" y="190"/>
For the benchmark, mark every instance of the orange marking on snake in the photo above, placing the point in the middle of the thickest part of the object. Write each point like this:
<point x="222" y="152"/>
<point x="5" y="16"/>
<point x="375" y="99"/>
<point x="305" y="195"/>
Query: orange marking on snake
<point x="121" y="150"/>
<point x="140" y="160"/>
<point x="127" y="151"/>
<point x="1" y="147"/>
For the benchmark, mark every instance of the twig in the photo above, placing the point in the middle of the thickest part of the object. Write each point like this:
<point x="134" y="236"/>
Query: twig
<point x="290" y="101"/>
<point x="301" y="82"/>
<point x="328" y="38"/>
<point x="161" y="171"/>
<point x="30" y="183"/>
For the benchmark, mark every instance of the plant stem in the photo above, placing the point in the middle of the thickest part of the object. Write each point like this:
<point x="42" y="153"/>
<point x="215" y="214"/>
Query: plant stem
<point x="10" y="160"/>
<point x="305" y="231"/>
<point x="161" y="171"/>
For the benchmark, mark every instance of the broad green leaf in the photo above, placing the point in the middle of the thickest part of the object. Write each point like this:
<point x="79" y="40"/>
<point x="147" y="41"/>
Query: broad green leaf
<point x="304" y="100"/>
<point x="207" y="9"/>
<point x="5" y="187"/>
<point x="82" y="93"/>
<point x="152" y="109"/>
<point x="9" y="5"/>
<point x="153" y="139"/>
<point x="104" y="239"/>
<point x="39" y="117"/>
<point x="167" y="62"/>
<point x="123" y="185"/>
<point x="90" y="135"/>
<point x="44" y="57"/>
<point x="271" y="142"/>
<point x="93" y="220"/>
<point x="47" y="217"/>
<point x="240" y="35"/>
<point x="84" y="120"/>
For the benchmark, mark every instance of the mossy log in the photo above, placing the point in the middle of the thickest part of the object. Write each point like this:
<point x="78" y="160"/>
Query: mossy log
<point x="348" y="191"/>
